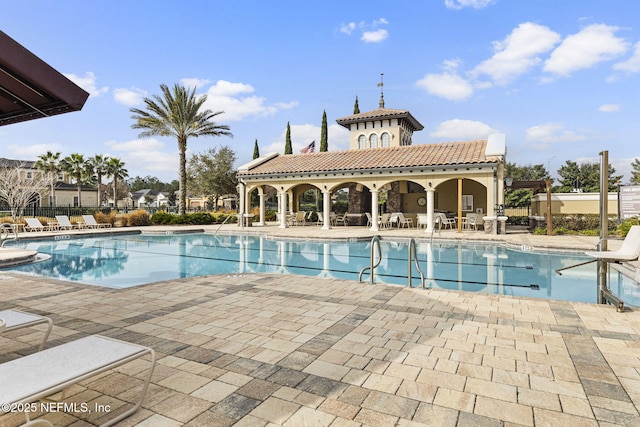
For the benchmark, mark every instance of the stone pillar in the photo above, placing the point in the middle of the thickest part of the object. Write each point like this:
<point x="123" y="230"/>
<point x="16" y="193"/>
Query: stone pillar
<point x="394" y="198"/>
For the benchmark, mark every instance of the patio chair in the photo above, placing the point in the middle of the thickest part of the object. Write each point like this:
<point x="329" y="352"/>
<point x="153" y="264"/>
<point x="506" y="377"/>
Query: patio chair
<point x="393" y="220"/>
<point x="383" y="222"/>
<point x="369" y="220"/>
<point x="65" y="224"/>
<point x="34" y="224"/>
<point x="299" y="218"/>
<point x="342" y="219"/>
<point x="16" y="319"/>
<point x="90" y="222"/>
<point x="404" y="222"/>
<point x="38" y="375"/>
<point x="422" y="221"/>
<point x="445" y="221"/>
<point x="470" y="222"/>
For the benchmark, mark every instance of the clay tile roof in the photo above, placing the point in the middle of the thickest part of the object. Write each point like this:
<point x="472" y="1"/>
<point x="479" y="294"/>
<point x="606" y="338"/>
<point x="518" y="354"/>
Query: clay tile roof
<point x="449" y="153"/>
<point x="381" y="113"/>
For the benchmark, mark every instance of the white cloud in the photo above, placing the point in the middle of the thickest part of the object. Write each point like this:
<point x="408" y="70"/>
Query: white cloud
<point x="374" y="36"/>
<point x="551" y="133"/>
<point x="518" y="52"/>
<point x="194" y="82"/>
<point x="448" y="84"/>
<point x="225" y="88"/>
<point x="302" y="135"/>
<point x="609" y="108"/>
<point x="31" y="152"/>
<point x="476" y="4"/>
<point x="593" y="44"/>
<point x="229" y="97"/>
<point x="348" y="28"/>
<point x="462" y="130"/>
<point x="88" y="83"/>
<point x="631" y="65"/>
<point x="371" y="33"/>
<point x="146" y="157"/>
<point x="129" y="97"/>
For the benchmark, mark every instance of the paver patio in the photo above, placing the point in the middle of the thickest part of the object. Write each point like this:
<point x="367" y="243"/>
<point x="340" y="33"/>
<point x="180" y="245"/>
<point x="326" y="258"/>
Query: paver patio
<point x="268" y="350"/>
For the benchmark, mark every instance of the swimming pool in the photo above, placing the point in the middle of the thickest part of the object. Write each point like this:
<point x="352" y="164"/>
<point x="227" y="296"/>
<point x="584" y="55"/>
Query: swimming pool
<point x="129" y="260"/>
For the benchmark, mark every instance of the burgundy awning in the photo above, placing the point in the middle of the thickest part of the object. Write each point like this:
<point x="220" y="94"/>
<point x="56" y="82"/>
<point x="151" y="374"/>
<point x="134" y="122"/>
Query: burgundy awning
<point x="30" y="88"/>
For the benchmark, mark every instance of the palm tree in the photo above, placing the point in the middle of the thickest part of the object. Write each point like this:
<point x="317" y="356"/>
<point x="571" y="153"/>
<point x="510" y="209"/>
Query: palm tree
<point x="100" y="164"/>
<point x="178" y="113"/>
<point x="49" y="163"/>
<point x="76" y="166"/>
<point x="116" y="170"/>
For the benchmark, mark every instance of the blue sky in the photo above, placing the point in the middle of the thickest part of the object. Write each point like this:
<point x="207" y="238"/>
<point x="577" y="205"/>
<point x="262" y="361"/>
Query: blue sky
<point x="559" y="78"/>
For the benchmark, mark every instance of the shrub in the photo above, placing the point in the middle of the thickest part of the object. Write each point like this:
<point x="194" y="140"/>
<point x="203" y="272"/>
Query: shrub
<point x="518" y="220"/>
<point x="162" y="218"/>
<point x="625" y="225"/>
<point x="102" y="218"/>
<point x="137" y="218"/>
<point x="196" y="218"/>
<point x="6" y="219"/>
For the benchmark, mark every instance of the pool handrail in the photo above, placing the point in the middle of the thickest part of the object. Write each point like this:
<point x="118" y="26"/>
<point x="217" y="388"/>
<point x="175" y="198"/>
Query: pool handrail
<point x="412" y="253"/>
<point x="223" y="223"/>
<point x="375" y="243"/>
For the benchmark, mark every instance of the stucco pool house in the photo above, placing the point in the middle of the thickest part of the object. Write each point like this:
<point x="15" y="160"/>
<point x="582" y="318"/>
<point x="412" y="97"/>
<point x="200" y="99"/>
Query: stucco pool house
<point x="454" y="177"/>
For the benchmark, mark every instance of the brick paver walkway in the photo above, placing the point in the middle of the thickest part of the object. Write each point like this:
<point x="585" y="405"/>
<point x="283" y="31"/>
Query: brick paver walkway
<point x="272" y="350"/>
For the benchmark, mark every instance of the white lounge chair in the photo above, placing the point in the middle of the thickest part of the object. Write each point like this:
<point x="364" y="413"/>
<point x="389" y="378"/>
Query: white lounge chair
<point x="369" y="219"/>
<point x="90" y="222"/>
<point x="34" y="224"/>
<point x="404" y="222"/>
<point x="445" y="221"/>
<point x="65" y="224"/>
<point x="16" y="319"/>
<point x="470" y="222"/>
<point x="422" y="220"/>
<point x="629" y="251"/>
<point x="38" y="375"/>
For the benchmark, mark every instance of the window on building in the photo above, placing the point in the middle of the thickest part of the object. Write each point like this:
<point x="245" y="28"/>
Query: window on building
<point x="362" y="141"/>
<point x="29" y="175"/>
<point x="386" y="139"/>
<point x="373" y="140"/>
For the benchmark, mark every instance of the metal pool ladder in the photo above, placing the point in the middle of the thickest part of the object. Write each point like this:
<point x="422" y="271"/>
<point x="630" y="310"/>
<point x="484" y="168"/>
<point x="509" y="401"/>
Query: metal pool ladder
<point x="373" y="263"/>
<point x="375" y="244"/>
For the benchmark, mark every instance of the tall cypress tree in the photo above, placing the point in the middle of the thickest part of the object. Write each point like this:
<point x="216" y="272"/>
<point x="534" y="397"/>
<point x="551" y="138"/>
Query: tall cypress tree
<point x="356" y="108"/>
<point x="256" y="150"/>
<point x="287" y="143"/>
<point x="324" y="143"/>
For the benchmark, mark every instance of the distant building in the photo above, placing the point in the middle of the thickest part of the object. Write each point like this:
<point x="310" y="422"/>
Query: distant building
<point x="147" y="198"/>
<point x="383" y="164"/>
<point x="66" y="188"/>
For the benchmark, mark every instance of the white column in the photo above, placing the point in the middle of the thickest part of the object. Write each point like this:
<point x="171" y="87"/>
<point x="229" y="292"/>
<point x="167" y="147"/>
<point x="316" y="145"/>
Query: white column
<point x="430" y="208"/>
<point x="326" y="210"/>
<point x="374" y="210"/>
<point x="243" y="198"/>
<point x="262" y="210"/>
<point x="282" y="208"/>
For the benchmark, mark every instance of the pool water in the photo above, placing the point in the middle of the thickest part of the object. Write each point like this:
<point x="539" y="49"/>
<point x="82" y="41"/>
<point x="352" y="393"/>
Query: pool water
<point x="130" y="260"/>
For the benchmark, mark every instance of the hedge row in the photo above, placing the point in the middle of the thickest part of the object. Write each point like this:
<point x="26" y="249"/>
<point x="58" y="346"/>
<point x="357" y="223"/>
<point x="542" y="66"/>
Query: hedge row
<point x="196" y="218"/>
